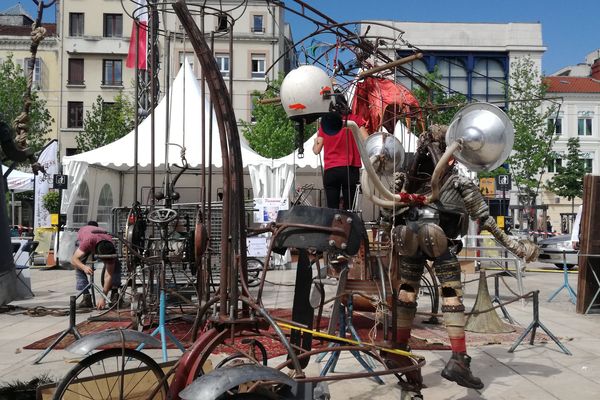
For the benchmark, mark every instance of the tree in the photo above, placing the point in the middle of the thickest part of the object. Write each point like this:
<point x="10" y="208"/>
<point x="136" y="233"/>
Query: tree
<point x="272" y="134"/>
<point x="568" y="179"/>
<point x="106" y="122"/>
<point x="533" y="137"/>
<point x="13" y="85"/>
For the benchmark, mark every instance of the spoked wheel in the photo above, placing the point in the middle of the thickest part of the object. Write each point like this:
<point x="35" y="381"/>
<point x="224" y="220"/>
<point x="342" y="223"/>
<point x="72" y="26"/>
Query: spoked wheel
<point x="114" y="374"/>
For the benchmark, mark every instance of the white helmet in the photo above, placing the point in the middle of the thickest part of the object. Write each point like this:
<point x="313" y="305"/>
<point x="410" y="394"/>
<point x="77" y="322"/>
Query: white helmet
<point x="306" y="93"/>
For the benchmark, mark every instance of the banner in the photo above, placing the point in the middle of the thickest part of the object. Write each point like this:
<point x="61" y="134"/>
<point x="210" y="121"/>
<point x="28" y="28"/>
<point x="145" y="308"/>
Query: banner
<point x="139" y="29"/>
<point x="48" y="158"/>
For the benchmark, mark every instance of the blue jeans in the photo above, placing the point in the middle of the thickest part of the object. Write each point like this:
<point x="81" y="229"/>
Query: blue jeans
<point x="82" y="280"/>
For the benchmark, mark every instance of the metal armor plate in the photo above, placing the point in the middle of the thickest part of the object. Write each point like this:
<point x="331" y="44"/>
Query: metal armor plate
<point x="432" y="240"/>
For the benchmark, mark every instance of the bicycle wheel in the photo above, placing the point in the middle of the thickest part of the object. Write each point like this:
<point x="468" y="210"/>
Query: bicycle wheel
<point x="114" y="374"/>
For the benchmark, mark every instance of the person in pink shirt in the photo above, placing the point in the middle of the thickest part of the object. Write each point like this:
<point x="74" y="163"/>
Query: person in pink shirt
<point x="93" y="240"/>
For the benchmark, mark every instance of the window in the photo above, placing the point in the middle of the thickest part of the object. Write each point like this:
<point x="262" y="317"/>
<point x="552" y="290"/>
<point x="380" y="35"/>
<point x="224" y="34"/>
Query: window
<point x="81" y="205"/>
<point x="183" y="55"/>
<point x="555" y="126"/>
<point x="75" y="114"/>
<point x="75" y="24"/>
<point x="112" y="72"/>
<point x="223" y="63"/>
<point x="113" y="25"/>
<point x="105" y="205"/>
<point x="584" y="126"/>
<point x="75" y="71"/>
<point x="588" y="162"/>
<point x="453" y="75"/>
<point x="222" y="24"/>
<point x="554" y="165"/>
<point x="258" y="65"/>
<point x="257" y="24"/>
<point x="488" y="80"/>
<point x="37" y="72"/>
<point x="418" y="69"/>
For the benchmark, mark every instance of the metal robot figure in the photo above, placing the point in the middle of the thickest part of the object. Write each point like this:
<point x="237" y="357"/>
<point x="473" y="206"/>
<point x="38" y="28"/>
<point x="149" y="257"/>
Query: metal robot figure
<point x="425" y="230"/>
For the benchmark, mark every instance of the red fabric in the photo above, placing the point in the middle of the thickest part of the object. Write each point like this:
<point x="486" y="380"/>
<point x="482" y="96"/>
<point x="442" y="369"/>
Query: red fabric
<point x="340" y="150"/>
<point x="458" y="345"/>
<point x="381" y="102"/>
<point x="88" y="239"/>
<point x="142" y="43"/>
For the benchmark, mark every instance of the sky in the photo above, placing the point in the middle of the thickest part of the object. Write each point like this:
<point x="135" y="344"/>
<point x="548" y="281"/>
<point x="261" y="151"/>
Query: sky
<point x="570" y="29"/>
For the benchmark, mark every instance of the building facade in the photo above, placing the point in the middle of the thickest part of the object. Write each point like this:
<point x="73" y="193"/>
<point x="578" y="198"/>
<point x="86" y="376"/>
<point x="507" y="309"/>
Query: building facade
<point x="94" y="51"/>
<point x="577" y="89"/>
<point x="250" y="44"/>
<point x="15" y="41"/>
<point x="472" y="59"/>
<point x="94" y="42"/>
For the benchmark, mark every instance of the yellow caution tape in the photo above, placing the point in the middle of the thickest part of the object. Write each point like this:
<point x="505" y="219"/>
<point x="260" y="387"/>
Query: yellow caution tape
<point x="350" y="341"/>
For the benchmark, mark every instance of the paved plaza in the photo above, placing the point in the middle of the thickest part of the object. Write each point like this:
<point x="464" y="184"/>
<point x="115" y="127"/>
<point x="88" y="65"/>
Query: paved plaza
<point x="541" y="371"/>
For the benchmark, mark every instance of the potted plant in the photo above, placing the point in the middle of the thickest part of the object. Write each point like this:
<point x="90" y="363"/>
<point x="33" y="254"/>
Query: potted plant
<point x="51" y="202"/>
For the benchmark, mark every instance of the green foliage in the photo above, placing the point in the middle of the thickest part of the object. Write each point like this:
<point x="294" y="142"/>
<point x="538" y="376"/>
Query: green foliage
<point x="438" y="106"/>
<point x="51" y="202"/>
<point x="13" y="86"/>
<point x="568" y="180"/>
<point x="533" y="138"/>
<point x="273" y="134"/>
<point x="104" y="123"/>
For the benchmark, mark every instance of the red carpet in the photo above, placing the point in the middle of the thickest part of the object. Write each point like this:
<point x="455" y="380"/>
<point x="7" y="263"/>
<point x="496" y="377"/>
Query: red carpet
<point x="181" y="329"/>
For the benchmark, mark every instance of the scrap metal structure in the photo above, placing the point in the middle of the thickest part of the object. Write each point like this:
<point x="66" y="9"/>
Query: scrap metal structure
<point x="232" y="312"/>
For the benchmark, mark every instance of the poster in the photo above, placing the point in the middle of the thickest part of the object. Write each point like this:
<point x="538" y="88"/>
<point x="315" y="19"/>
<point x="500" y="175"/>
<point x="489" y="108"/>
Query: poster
<point x="266" y="209"/>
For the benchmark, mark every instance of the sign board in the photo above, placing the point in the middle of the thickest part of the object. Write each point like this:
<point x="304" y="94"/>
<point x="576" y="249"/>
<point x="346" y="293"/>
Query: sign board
<point x="487" y="187"/>
<point x="503" y="182"/>
<point x="257" y="246"/>
<point x="59" y="181"/>
<point x="266" y="209"/>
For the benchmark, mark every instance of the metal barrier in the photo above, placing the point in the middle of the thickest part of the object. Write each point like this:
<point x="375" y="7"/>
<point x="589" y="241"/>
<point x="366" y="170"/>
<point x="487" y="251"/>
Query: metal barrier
<point x="471" y="243"/>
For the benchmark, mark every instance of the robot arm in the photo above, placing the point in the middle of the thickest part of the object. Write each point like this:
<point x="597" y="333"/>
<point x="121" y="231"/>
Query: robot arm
<point x="478" y="210"/>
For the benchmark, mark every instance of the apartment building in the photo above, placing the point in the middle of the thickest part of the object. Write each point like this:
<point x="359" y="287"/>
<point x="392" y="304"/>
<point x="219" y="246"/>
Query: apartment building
<point x="577" y="89"/>
<point x="247" y="42"/>
<point x="94" y="42"/>
<point x="15" y="40"/>
<point x="252" y="44"/>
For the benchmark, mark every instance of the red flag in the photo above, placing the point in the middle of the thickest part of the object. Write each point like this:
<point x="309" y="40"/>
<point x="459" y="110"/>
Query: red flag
<point x="139" y="30"/>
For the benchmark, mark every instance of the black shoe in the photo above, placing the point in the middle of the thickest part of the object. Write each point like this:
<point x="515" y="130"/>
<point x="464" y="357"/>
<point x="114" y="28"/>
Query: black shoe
<point x="458" y="370"/>
<point x="115" y="297"/>
<point x="86" y="302"/>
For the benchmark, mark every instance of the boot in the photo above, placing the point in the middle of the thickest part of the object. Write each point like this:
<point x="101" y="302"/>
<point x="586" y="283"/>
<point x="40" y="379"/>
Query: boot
<point x="115" y="297"/>
<point x="458" y="370"/>
<point x="86" y="302"/>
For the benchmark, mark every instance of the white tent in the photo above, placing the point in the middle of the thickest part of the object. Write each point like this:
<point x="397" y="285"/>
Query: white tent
<point x="101" y="179"/>
<point x="18" y="181"/>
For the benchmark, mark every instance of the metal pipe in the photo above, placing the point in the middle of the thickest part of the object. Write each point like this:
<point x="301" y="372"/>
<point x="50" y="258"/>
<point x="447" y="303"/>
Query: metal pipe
<point x="390" y="65"/>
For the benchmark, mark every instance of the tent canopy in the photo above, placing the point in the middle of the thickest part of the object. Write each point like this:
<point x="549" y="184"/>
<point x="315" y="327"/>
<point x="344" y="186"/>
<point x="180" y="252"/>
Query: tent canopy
<point x="184" y="129"/>
<point x="18" y="181"/>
